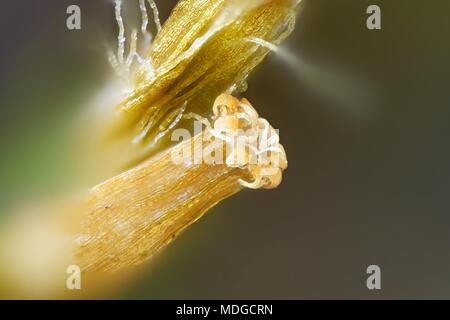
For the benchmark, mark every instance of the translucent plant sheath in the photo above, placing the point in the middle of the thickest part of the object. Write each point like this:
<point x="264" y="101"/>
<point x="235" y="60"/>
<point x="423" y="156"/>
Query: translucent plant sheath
<point x="134" y="214"/>
<point x="131" y="216"/>
<point x="206" y="47"/>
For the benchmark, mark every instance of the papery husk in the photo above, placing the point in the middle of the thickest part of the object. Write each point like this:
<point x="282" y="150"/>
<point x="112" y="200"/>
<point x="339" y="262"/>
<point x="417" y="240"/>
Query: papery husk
<point x="202" y="50"/>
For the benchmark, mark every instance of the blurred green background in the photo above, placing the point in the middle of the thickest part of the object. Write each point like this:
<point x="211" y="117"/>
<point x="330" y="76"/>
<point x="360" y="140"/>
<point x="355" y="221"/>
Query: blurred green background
<point x="363" y="115"/>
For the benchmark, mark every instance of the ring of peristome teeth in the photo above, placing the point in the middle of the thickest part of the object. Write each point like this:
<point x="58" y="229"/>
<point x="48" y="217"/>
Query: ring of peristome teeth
<point x="259" y="150"/>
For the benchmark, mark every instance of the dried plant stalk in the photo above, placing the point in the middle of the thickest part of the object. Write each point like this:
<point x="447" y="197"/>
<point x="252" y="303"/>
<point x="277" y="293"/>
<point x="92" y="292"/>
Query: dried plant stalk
<point x="131" y="216"/>
<point x="204" y="48"/>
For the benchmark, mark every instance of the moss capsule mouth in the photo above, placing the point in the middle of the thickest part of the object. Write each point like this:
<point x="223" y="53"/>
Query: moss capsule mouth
<point x="205" y="48"/>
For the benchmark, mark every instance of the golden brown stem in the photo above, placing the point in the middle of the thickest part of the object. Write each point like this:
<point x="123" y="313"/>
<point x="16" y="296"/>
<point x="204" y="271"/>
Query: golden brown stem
<point x="204" y="48"/>
<point x="131" y="216"/>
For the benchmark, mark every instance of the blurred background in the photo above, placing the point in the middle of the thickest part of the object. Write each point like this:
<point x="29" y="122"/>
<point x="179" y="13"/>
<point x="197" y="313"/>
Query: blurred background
<point x="364" y="117"/>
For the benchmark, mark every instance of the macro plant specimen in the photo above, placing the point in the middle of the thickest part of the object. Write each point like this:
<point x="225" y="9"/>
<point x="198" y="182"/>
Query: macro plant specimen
<point x="186" y="76"/>
<point x="144" y="208"/>
<point x="205" y="48"/>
